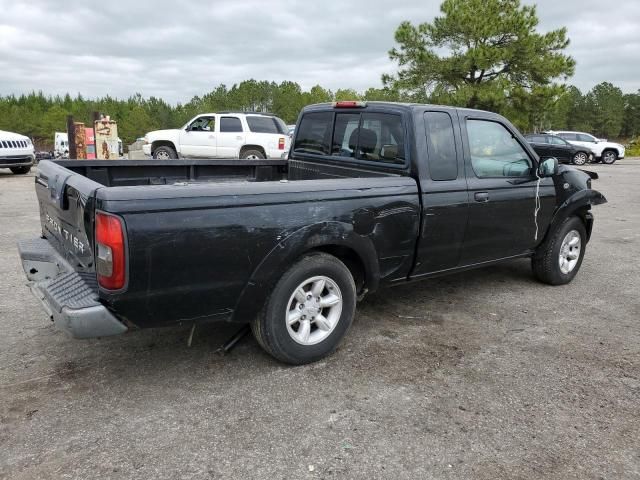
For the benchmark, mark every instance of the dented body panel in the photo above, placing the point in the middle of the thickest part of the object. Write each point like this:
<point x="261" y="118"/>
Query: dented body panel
<point x="208" y="239"/>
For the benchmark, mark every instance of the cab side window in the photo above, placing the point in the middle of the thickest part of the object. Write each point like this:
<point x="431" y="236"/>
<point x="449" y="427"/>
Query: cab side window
<point x="495" y="152"/>
<point x="441" y="146"/>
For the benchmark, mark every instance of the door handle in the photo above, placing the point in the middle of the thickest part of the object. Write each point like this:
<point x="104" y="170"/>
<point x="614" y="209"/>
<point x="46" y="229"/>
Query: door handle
<point x="212" y="137"/>
<point x="481" y="196"/>
<point x="238" y="137"/>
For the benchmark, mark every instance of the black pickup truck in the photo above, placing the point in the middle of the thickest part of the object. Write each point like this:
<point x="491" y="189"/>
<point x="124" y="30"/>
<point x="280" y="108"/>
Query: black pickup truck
<point x="372" y="195"/>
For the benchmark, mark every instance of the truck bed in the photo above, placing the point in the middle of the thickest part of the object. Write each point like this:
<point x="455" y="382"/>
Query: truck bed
<point x="122" y="173"/>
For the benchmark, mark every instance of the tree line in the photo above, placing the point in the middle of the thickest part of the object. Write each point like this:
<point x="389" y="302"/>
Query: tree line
<point x="605" y="110"/>
<point x="485" y="54"/>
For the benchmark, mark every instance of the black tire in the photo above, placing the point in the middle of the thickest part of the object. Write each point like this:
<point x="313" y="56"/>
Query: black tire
<point x="609" y="157"/>
<point x="270" y="327"/>
<point x="251" y="154"/>
<point x="580" y="158"/>
<point x="20" y="170"/>
<point x="546" y="261"/>
<point x="161" y="153"/>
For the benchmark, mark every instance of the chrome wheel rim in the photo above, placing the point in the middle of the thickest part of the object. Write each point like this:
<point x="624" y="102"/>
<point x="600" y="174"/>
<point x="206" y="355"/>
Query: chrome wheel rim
<point x="252" y="157"/>
<point x="580" y="159"/>
<point x="570" y="252"/>
<point x="609" y="157"/>
<point x="313" y="310"/>
<point x="162" y="155"/>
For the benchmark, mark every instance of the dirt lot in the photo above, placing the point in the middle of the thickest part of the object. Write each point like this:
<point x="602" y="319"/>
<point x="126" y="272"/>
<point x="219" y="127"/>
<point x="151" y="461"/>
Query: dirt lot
<point x="485" y="375"/>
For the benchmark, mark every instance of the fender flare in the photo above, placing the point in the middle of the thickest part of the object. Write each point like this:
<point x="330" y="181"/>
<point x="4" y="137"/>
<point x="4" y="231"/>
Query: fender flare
<point x="288" y="250"/>
<point x="581" y="201"/>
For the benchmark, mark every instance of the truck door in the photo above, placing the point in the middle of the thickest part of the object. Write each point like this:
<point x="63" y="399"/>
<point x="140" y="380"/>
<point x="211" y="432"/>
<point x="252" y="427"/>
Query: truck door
<point x="199" y="138"/>
<point x="502" y="193"/>
<point x="445" y="199"/>
<point x="230" y="137"/>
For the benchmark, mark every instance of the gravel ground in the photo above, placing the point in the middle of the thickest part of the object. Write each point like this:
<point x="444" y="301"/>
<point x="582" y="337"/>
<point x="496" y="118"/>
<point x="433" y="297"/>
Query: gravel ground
<point x="485" y="375"/>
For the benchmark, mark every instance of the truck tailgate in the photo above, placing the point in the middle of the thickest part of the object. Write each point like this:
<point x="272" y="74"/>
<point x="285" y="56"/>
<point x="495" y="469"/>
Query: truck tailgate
<point x="67" y="203"/>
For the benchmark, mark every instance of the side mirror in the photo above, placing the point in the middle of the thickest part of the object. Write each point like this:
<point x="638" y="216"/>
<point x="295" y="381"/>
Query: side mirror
<point x="548" y="167"/>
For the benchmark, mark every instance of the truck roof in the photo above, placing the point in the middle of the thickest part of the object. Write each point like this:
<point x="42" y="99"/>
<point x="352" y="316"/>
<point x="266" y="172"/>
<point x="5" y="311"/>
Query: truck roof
<point x="398" y="105"/>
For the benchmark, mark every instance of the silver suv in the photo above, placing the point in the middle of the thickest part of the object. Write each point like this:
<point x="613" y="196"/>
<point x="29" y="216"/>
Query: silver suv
<point x="607" y="152"/>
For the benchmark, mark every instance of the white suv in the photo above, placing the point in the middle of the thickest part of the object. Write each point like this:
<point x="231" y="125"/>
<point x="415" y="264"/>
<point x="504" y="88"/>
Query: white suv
<point x="16" y="152"/>
<point x="603" y="150"/>
<point x="248" y="136"/>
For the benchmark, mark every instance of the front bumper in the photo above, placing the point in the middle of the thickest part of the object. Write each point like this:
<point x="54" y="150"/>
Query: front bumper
<point x="146" y="149"/>
<point x="17" y="161"/>
<point x="69" y="297"/>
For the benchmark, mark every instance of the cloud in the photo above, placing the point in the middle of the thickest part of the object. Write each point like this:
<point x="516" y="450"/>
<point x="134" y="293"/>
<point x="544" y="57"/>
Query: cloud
<point x="176" y="50"/>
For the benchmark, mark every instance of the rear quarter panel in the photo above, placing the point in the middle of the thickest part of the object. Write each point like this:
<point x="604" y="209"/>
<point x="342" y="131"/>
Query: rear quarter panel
<point x="201" y="252"/>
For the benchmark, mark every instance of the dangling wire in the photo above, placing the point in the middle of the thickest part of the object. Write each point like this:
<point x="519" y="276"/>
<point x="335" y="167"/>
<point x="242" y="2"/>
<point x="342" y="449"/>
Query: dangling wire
<point x="537" y="204"/>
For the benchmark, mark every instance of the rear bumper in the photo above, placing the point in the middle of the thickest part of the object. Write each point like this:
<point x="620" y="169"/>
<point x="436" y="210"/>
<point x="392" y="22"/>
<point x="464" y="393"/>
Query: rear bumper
<point x="70" y="298"/>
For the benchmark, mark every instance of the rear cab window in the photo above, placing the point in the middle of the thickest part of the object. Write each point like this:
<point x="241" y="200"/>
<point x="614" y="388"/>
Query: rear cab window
<point x="352" y="136"/>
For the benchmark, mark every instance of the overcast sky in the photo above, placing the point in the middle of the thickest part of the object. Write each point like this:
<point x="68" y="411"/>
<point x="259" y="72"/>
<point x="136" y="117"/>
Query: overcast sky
<point x="175" y="50"/>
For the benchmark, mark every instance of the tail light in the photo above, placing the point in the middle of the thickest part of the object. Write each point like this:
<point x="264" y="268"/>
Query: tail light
<point x="281" y="143"/>
<point x="110" y="259"/>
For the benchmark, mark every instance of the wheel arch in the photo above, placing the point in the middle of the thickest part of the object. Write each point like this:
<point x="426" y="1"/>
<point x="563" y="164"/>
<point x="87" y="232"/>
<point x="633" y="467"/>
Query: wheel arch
<point x="260" y="148"/>
<point x="335" y="238"/>
<point x="162" y="143"/>
<point x="579" y="205"/>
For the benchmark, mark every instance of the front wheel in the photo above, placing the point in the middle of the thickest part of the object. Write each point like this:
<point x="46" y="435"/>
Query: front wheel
<point x="164" y="153"/>
<point x="609" y="157"/>
<point x="580" y="158"/>
<point x="309" y="311"/>
<point x="20" y="170"/>
<point x="559" y="258"/>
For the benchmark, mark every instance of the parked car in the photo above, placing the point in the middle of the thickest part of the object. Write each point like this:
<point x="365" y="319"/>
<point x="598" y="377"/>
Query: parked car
<point x="249" y="136"/>
<point x="547" y="146"/>
<point x="16" y="152"/>
<point x="607" y="152"/>
<point x="44" y="155"/>
<point x="373" y="195"/>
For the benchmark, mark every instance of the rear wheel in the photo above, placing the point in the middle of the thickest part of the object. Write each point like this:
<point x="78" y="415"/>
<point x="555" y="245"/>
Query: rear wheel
<point x="559" y="258"/>
<point x="580" y="158"/>
<point x="252" y="155"/>
<point x="20" y="170"/>
<point x="609" y="157"/>
<point x="309" y="311"/>
<point x="164" y="153"/>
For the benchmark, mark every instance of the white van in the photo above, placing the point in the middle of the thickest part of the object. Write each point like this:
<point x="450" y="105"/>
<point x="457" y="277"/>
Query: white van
<point x="61" y="145"/>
